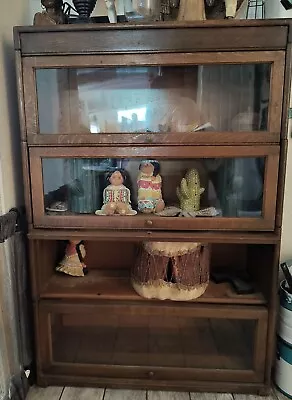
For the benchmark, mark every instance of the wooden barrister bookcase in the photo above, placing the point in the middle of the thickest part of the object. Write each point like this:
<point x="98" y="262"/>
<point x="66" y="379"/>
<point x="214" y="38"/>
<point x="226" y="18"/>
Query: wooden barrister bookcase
<point x="208" y="95"/>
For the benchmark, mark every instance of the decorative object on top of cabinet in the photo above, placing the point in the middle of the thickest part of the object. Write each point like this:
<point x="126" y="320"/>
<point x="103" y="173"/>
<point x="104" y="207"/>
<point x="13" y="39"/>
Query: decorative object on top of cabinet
<point x="111" y="11"/>
<point x="170" y="270"/>
<point x="84" y="9"/>
<point x="149" y="184"/>
<point x="73" y="261"/>
<point x="144" y="10"/>
<point x="287" y="4"/>
<point x="191" y="10"/>
<point x="220" y="9"/>
<point x="189" y="192"/>
<point x="116" y="196"/>
<point x="255" y="9"/>
<point x="169" y="9"/>
<point x="52" y="15"/>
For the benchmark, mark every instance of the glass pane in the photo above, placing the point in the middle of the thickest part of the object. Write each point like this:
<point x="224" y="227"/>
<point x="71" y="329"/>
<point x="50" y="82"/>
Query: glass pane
<point x="154" y="99"/>
<point x="228" y="187"/>
<point x="108" y="338"/>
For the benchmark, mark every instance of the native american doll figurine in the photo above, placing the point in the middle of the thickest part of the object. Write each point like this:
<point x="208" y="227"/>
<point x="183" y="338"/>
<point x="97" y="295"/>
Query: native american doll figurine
<point x="116" y="196"/>
<point x="149" y="187"/>
<point x="73" y="261"/>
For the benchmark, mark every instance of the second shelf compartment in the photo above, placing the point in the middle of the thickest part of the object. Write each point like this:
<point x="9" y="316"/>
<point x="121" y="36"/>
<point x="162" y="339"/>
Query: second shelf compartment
<point x="109" y="270"/>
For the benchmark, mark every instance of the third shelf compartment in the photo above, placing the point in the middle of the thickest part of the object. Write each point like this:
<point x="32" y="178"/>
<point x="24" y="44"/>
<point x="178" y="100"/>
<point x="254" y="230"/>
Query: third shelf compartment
<point x="109" y="267"/>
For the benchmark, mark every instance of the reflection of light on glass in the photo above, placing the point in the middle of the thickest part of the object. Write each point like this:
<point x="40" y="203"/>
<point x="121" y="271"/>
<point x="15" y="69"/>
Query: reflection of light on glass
<point x="94" y="129"/>
<point x="136" y="113"/>
<point x="94" y="126"/>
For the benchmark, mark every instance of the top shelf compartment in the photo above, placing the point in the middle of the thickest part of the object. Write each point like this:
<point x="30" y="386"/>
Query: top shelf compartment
<point x="169" y="98"/>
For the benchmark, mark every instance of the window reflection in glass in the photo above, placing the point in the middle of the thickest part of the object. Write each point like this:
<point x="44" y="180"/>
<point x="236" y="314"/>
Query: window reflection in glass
<point x="154" y="99"/>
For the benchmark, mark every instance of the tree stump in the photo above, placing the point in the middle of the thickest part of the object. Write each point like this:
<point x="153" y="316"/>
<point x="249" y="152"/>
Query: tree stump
<point x="171" y="270"/>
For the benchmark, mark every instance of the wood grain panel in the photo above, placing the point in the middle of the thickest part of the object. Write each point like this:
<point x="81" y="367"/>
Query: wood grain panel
<point x="140" y="59"/>
<point x="251" y="397"/>
<point x="113" y="394"/>
<point x="145" y="39"/>
<point x="167" y="395"/>
<point x="72" y="393"/>
<point x="49" y="393"/>
<point x="211" y="396"/>
<point x="195" y="139"/>
<point x="136" y="236"/>
<point x="173" y="384"/>
<point x="156" y="151"/>
<point x="115" y="284"/>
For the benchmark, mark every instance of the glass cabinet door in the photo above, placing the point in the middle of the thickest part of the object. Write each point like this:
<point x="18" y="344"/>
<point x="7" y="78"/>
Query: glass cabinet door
<point x="142" y="339"/>
<point x="193" y="189"/>
<point x="195" y="94"/>
<point x="154" y="99"/>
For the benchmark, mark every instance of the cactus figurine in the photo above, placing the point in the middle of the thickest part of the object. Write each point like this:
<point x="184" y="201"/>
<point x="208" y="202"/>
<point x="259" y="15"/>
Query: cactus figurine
<point x="189" y="192"/>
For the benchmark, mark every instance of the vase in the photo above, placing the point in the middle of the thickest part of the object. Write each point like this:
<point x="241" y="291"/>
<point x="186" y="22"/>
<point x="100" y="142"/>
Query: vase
<point x="84" y="8"/>
<point x="85" y="187"/>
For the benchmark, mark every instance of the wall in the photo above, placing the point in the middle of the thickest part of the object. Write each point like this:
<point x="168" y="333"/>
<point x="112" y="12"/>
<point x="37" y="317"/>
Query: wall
<point x="14" y="12"/>
<point x="274" y="9"/>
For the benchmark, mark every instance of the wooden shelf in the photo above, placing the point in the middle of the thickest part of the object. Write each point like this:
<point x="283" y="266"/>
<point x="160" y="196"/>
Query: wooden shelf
<point x="138" y="236"/>
<point x="115" y="284"/>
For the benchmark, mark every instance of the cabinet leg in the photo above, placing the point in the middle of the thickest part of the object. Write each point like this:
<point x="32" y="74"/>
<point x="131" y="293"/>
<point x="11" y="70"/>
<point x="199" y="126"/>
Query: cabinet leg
<point x="265" y="391"/>
<point x="41" y="381"/>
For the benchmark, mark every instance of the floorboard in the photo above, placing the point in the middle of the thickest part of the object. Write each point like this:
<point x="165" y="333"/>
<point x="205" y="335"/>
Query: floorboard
<point x="49" y="393"/>
<point x="116" y="394"/>
<point x="211" y="396"/>
<point x="155" y="395"/>
<point x="272" y="396"/>
<point x="72" y="393"/>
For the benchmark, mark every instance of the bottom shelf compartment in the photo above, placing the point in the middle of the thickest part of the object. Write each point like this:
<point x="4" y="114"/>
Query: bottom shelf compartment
<point x="162" y="341"/>
<point x="170" y="341"/>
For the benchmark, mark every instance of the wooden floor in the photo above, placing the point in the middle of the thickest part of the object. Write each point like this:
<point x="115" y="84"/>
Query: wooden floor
<point x="70" y="393"/>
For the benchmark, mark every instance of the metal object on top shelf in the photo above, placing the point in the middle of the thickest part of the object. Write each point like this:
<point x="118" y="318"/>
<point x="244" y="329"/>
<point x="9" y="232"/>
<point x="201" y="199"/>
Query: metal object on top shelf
<point x="255" y="9"/>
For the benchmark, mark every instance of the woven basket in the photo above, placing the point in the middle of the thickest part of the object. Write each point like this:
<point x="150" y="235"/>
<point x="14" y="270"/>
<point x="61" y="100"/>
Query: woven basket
<point x="171" y="270"/>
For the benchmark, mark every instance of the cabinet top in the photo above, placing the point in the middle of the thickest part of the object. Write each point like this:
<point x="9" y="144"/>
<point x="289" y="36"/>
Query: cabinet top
<point x="211" y="35"/>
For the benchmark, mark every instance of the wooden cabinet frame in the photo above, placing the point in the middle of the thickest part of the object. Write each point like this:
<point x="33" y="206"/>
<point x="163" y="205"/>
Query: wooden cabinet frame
<point x="272" y="135"/>
<point x="267" y="222"/>
<point x="167" y="44"/>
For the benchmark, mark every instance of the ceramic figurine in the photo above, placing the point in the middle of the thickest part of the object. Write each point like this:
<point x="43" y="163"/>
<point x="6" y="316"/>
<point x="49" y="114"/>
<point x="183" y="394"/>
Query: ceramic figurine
<point x="116" y="196"/>
<point x="73" y="261"/>
<point x="189" y="192"/>
<point x="52" y="15"/>
<point x="149" y="187"/>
